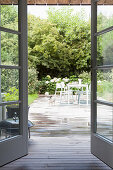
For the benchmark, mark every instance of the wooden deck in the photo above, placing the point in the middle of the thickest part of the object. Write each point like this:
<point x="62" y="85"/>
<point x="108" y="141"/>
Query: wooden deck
<point x="58" y="153"/>
<point x="58" y="142"/>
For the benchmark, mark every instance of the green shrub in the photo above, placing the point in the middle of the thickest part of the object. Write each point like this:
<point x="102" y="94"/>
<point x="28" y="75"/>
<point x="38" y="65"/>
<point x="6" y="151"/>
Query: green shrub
<point x="9" y="79"/>
<point x="86" y="77"/>
<point x="104" y="75"/>
<point x="32" y="81"/>
<point x="31" y="98"/>
<point x="105" y="84"/>
<point x="51" y="87"/>
<point x="11" y="95"/>
<point x="42" y="87"/>
<point x="73" y="78"/>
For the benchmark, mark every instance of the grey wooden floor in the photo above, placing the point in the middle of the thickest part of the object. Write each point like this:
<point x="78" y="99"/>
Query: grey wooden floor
<point x="60" y="139"/>
<point x="58" y="153"/>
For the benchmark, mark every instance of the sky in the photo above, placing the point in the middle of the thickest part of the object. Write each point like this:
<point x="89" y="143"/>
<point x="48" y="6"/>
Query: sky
<point x="41" y="11"/>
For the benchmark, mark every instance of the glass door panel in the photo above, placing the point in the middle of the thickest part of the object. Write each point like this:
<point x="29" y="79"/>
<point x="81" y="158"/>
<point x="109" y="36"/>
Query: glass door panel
<point x="9" y="49"/>
<point x="9" y="16"/>
<point x="9" y="121"/>
<point x="102" y="82"/>
<point x="13" y="81"/>
<point x="104" y="15"/>
<point x="105" y="85"/>
<point x="9" y="85"/>
<point x="105" y="121"/>
<point x="105" y="49"/>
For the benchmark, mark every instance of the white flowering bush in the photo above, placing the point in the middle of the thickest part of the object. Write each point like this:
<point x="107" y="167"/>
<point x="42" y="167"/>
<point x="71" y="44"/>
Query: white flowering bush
<point x="48" y="84"/>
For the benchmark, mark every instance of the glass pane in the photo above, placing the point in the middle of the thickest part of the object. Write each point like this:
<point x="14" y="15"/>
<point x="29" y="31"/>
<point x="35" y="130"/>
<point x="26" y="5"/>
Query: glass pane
<point x="105" y="85"/>
<point x="9" y="121"/>
<point x="9" y="85"/>
<point x="105" y="49"/>
<point x="105" y="121"/>
<point x="104" y="15"/>
<point x="9" y="49"/>
<point x="9" y="16"/>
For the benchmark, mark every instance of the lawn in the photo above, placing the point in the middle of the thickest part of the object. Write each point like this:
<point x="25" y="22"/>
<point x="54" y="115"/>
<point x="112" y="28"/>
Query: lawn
<point x="31" y="98"/>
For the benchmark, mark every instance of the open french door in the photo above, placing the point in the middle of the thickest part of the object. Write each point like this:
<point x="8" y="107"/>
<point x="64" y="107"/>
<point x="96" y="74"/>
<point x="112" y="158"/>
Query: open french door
<point x="102" y="84"/>
<point x="13" y="81"/>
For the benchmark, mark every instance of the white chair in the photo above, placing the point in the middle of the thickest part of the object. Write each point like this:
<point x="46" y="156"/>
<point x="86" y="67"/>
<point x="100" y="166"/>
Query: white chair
<point x="65" y="94"/>
<point x="59" y="88"/>
<point x="62" y="90"/>
<point x="84" y="93"/>
<point x="74" y="90"/>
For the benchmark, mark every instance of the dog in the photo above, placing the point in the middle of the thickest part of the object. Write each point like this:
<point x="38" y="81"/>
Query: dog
<point x="52" y="100"/>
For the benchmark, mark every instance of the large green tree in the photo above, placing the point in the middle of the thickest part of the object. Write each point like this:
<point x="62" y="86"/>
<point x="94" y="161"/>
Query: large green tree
<point x="59" y="46"/>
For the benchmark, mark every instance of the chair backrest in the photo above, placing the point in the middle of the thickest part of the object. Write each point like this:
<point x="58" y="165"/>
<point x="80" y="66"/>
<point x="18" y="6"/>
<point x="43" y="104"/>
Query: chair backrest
<point x="60" y="86"/>
<point x="79" y="81"/>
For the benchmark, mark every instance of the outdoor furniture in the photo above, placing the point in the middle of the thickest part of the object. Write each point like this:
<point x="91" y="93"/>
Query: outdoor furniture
<point x="84" y="92"/>
<point x="64" y="94"/>
<point x="60" y="87"/>
<point x="79" y="88"/>
<point x="11" y="127"/>
<point x="79" y="81"/>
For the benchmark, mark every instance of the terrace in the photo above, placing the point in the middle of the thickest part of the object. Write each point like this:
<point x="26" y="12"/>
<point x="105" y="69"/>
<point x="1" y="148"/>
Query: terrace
<point x="60" y="138"/>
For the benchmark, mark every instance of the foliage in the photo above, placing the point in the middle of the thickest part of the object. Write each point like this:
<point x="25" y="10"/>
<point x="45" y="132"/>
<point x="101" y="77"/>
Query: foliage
<point x="51" y="87"/>
<point x="32" y="81"/>
<point x="105" y="85"/>
<point x="86" y="77"/>
<point x="9" y="79"/>
<point x="48" y="84"/>
<point x="11" y="95"/>
<point x="9" y="49"/>
<point x="59" y="46"/>
<point x="104" y="42"/>
<point x="104" y="75"/>
<point x="9" y="16"/>
<point x="42" y="87"/>
<point x="73" y="78"/>
<point x="31" y="98"/>
<point x="9" y="42"/>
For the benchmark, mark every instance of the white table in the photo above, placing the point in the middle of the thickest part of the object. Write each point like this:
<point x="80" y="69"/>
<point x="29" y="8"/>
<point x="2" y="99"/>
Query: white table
<point x="78" y="86"/>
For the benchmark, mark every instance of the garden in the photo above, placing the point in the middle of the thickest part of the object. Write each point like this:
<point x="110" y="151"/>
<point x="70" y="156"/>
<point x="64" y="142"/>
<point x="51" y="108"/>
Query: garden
<point x="59" y="50"/>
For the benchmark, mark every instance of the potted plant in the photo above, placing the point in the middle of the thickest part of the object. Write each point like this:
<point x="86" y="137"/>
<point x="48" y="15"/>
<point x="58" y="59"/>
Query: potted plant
<point x="12" y="95"/>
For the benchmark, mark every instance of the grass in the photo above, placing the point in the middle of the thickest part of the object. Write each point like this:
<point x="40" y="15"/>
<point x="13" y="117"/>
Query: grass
<point x="31" y="98"/>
